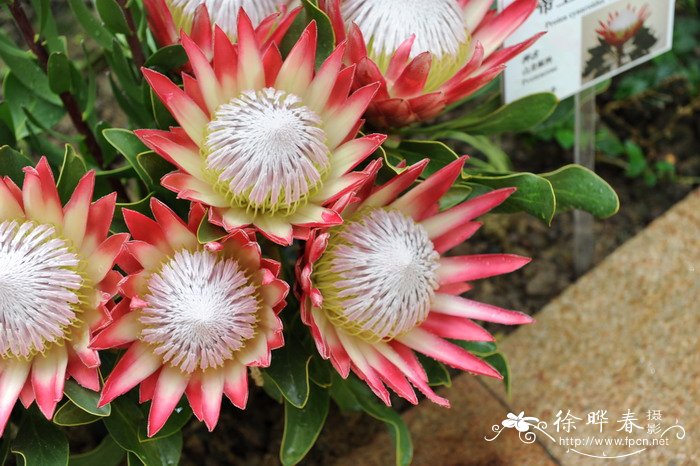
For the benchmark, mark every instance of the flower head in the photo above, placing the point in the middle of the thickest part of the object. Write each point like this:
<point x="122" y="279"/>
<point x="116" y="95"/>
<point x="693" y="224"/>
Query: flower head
<point x="623" y="25"/>
<point x="167" y="18"/>
<point x="264" y="142"/>
<point x="56" y="280"/>
<point x="193" y="318"/>
<point x="377" y="288"/>
<point x="425" y="54"/>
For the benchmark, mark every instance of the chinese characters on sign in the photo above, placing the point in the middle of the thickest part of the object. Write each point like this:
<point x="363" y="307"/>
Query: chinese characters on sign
<point x="587" y="41"/>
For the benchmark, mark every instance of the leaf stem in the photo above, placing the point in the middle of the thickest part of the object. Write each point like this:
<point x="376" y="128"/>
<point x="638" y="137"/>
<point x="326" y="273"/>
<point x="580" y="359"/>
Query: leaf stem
<point x="133" y="38"/>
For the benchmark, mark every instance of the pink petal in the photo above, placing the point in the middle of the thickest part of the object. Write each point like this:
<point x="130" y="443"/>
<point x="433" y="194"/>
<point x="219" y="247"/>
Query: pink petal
<point x="462" y="307"/>
<point x="137" y="363"/>
<point x="48" y="377"/>
<point x="168" y="391"/>
<point x="477" y="266"/>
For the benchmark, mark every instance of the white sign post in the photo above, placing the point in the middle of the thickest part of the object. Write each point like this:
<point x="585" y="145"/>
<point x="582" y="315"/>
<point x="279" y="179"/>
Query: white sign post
<point x="587" y="42"/>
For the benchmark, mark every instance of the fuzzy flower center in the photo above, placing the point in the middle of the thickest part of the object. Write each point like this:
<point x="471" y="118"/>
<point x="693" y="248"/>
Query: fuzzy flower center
<point x="224" y="13"/>
<point x="438" y="25"/>
<point x="378" y="275"/>
<point x="39" y="288"/>
<point x="267" y="151"/>
<point x="201" y="309"/>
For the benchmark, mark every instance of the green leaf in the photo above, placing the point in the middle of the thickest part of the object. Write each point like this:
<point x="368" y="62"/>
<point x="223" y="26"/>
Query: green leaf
<point x="130" y="146"/>
<point x="478" y="348"/>
<point x="72" y="169"/>
<point x="69" y="414"/>
<point x="11" y="164"/>
<point x="112" y="16"/>
<point x="342" y="395"/>
<point x="320" y="371"/>
<point x="209" y="233"/>
<point x="85" y="399"/>
<point x="535" y="195"/>
<point x="39" y="442"/>
<point x="496" y="157"/>
<point x="436" y="371"/>
<point x="23" y="64"/>
<point x="177" y="420"/>
<point x="107" y="453"/>
<point x="577" y="187"/>
<point x="167" y="58"/>
<point x="397" y="427"/>
<point x="499" y="362"/>
<point x="413" y="151"/>
<point x="326" y="36"/>
<point x="21" y="100"/>
<point x="290" y="372"/>
<point x="455" y="195"/>
<point x="123" y="425"/>
<point x="519" y="115"/>
<point x="59" y="73"/>
<point x="303" y="426"/>
<point x="90" y="24"/>
<point x="156" y="167"/>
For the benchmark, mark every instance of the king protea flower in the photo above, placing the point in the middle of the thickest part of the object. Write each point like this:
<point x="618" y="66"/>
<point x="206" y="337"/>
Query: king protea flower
<point x="425" y="54"/>
<point x="167" y="18"/>
<point x="194" y="316"/>
<point x="377" y="288"/>
<point x="264" y="142"/>
<point x="56" y="279"/>
<point x="623" y="25"/>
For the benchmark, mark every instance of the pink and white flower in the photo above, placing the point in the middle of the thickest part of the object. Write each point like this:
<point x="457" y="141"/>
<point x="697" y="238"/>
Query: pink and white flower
<point x="56" y="280"/>
<point x="168" y="18"/>
<point x="377" y="288"/>
<point x="622" y="25"/>
<point x="264" y="142"/>
<point x="425" y="54"/>
<point x="194" y="316"/>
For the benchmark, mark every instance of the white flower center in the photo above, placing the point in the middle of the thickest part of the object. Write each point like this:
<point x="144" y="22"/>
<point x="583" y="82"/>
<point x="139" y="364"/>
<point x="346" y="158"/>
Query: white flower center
<point x="39" y="288"/>
<point x="201" y="310"/>
<point x="438" y="25"/>
<point x="223" y="12"/>
<point x="378" y="275"/>
<point x="625" y="20"/>
<point x="267" y="151"/>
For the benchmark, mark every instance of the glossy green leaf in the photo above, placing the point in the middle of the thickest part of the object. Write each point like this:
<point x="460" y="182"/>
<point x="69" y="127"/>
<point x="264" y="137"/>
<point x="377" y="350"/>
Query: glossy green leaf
<point x="107" y="453"/>
<point x="290" y="372"/>
<point x="479" y="348"/>
<point x="85" y="399"/>
<point x="342" y="395"/>
<point x="167" y="58"/>
<point x="155" y="166"/>
<point x="177" y="420"/>
<point x="92" y="26"/>
<point x="320" y="371"/>
<point x="22" y="100"/>
<point x="208" y="232"/>
<point x="12" y="163"/>
<point x="326" y="36"/>
<point x="39" y="442"/>
<point x="302" y="426"/>
<point x="455" y="195"/>
<point x="516" y="116"/>
<point x="413" y="151"/>
<point x="124" y="424"/>
<point x="72" y="169"/>
<point x="577" y="187"/>
<point x="69" y="414"/>
<point x="112" y="16"/>
<point x="400" y="434"/>
<point x="59" y="73"/>
<point x="23" y="64"/>
<point x="436" y="371"/>
<point x="534" y="195"/>
<point x="497" y="159"/>
<point x="130" y="146"/>
<point x="499" y="362"/>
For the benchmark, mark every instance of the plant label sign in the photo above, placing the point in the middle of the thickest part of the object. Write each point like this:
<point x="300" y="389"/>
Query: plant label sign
<point x="586" y="42"/>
